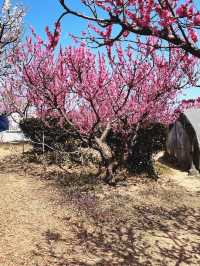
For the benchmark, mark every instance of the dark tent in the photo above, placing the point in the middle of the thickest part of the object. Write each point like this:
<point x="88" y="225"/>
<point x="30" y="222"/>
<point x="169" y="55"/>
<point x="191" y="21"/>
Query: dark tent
<point x="183" y="141"/>
<point x="4" y="123"/>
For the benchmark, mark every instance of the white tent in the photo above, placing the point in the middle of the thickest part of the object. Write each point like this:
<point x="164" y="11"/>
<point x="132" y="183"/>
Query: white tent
<point x="14" y="134"/>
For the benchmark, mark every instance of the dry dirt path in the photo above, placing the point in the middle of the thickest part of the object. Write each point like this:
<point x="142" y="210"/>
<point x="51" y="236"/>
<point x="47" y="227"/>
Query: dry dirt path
<point x="30" y="219"/>
<point x="190" y="183"/>
<point x="181" y="178"/>
<point x="33" y="221"/>
<point x="27" y="214"/>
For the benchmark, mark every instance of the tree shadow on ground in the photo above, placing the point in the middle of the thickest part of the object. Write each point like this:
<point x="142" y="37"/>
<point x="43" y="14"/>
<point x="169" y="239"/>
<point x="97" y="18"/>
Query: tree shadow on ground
<point x="78" y="175"/>
<point x="170" y="162"/>
<point x="137" y="234"/>
<point x="155" y="236"/>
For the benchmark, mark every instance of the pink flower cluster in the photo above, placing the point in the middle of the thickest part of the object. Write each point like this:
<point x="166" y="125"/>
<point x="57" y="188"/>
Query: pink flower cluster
<point x="153" y="15"/>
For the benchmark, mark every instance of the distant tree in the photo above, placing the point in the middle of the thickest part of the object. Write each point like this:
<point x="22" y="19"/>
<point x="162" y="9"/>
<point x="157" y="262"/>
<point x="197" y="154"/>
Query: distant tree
<point x="11" y="19"/>
<point x="11" y="27"/>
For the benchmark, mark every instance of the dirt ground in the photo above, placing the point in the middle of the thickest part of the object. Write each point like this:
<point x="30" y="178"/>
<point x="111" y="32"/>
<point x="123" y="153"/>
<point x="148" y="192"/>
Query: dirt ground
<point x="53" y="217"/>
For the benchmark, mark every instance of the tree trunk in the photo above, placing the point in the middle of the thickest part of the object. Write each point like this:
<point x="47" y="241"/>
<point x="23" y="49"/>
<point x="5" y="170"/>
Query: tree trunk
<point x="111" y="168"/>
<point x="151" y="171"/>
<point x="107" y="156"/>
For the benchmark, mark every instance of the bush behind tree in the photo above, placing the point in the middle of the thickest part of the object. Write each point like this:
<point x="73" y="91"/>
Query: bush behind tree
<point x="139" y="159"/>
<point x="55" y="136"/>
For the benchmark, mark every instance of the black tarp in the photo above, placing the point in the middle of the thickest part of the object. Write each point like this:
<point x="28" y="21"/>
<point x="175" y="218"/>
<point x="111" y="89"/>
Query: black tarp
<point x="183" y="140"/>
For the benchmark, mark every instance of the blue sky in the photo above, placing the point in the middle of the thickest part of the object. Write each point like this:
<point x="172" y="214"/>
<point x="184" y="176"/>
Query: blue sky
<point x="41" y="13"/>
<point x="46" y="12"/>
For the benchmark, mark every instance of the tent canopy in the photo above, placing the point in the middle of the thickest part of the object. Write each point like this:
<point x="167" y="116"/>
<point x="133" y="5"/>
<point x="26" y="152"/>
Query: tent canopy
<point x="193" y="115"/>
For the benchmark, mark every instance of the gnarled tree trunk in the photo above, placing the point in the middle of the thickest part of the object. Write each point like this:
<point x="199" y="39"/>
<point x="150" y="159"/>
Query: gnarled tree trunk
<point x="107" y="156"/>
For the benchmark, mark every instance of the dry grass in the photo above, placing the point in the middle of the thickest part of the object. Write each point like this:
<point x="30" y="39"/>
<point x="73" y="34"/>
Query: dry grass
<point x="55" y="217"/>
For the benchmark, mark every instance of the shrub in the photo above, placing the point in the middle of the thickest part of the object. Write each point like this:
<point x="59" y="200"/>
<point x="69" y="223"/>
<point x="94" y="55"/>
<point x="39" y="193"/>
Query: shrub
<point x="139" y="155"/>
<point x="55" y="136"/>
<point x="149" y="141"/>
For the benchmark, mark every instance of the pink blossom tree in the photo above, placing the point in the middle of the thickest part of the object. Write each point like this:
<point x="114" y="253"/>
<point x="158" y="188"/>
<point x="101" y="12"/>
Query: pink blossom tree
<point x="95" y="94"/>
<point x="13" y="96"/>
<point x="176" y="23"/>
<point x="11" y="19"/>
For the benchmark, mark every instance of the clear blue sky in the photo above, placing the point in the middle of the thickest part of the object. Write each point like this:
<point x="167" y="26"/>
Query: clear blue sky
<point x="41" y="13"/>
